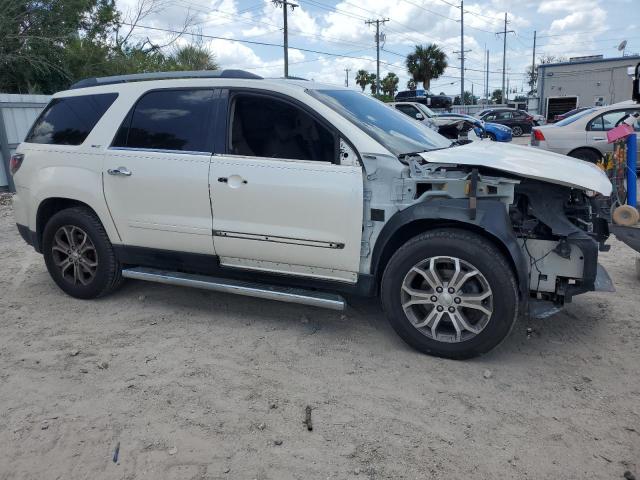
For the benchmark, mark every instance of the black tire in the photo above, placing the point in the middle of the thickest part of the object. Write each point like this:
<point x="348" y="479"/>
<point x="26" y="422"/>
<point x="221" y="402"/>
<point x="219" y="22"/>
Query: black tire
<point x="108" y="272"/>
<point x="468" y="247"/>
<point x="517" y="131"/>
<point x="586" y="154"/>
<point x="492" y="137"/>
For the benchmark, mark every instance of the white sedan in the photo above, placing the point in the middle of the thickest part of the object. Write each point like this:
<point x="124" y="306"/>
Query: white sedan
<point x="584" y="135"/>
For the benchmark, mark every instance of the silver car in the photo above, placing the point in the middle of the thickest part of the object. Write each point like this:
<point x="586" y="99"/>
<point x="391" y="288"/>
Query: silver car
<point x="584" y="135"/>
<point x="418" y="111"/>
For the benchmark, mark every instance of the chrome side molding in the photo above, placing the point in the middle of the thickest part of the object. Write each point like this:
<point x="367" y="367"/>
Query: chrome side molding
<point x="238" y="287"/>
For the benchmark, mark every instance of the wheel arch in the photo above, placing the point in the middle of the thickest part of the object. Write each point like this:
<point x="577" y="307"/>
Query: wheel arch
<point x="48" y="207"/>
<point x="491" y="222"/>
<point x="589" y="148"/>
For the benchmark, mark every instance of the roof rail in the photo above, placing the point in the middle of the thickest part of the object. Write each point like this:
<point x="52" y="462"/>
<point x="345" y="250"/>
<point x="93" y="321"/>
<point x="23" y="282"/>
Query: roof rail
<point x="141" y="77"/>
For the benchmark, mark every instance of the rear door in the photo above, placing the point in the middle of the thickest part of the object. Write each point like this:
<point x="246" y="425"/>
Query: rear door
<point x="285" y="197"/>
<point x="156" y="172"/>
<point x="598" y="127"/>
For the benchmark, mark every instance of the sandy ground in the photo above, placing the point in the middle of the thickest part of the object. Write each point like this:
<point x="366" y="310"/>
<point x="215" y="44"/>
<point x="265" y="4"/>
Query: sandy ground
<point x="194" y="385"/>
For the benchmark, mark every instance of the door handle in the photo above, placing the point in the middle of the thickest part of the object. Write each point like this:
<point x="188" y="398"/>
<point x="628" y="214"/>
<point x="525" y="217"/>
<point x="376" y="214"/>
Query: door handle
<point x="234" y="181"/>
<point x="598" y="139"/>
<point x="120" y="171"/>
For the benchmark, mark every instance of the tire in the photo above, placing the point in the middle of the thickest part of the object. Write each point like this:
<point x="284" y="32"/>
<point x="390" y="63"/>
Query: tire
<point x="472" y="252"/>
<point x="516" y="131"/>
<point x="71" y="263"/>
<point x="586" y="154"/>
<point x="492" y="137"/>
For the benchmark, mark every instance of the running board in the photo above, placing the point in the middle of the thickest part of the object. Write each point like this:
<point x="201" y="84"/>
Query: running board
<point x="238" y="287"/>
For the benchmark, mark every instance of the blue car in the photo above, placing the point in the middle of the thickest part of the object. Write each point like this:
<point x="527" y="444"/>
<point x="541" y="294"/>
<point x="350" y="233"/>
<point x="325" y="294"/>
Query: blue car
<point x="494" y="131"/>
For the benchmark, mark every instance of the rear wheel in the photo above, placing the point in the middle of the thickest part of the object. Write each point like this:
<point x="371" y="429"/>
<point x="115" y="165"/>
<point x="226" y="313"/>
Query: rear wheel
<point x="516" y="131"/>
<point x="79" y="255"/>
<point x="492" y="136"/>
<point x="586" y="154"/>
<point x="450" y="293"/>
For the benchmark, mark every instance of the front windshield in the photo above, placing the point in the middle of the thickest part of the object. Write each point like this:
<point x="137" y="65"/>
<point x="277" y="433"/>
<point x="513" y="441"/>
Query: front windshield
<point x="398" y="132"/>
<point x="574" y="117"/>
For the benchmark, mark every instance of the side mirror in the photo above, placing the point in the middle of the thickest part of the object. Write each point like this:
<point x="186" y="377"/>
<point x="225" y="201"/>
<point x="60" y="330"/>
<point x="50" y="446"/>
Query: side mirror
<point x="419" y="116"/>
<point x="636" y="85"/>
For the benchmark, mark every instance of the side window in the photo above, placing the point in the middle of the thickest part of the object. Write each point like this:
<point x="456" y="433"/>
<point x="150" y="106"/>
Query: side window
<point x="168" y="120"/>
<point x="607" y="121"/>
<point x="504" y="116"/>
<point x="490" y="118"/>
<point x="267" y="127"/>
<point x="69" y="120"/>
<point x="408" y="109"/>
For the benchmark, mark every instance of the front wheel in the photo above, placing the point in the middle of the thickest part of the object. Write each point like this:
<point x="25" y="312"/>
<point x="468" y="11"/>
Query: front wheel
<point x="79" y="255"/>
<point x="450" y="293"/>
<point x="516" y="131"/>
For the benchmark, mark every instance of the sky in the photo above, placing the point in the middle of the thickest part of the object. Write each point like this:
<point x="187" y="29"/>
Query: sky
<point x="327" y="36"/>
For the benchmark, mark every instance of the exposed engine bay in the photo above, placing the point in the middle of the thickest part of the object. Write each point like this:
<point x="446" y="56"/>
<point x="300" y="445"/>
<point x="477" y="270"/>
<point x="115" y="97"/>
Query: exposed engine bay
<point x="559" y="229"/>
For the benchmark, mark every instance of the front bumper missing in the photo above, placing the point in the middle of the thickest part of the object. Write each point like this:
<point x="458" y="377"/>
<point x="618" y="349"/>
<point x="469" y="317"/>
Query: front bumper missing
<point x="541" y="309"/>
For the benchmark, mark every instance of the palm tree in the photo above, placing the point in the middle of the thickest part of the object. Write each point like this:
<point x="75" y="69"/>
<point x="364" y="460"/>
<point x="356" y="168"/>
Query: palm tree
<point x="372" y="81"/>
<point x="389" y="84"/>
<point x="362" y="79"/>
<point x="193" y="57"/>
<point x="426" y="64"/>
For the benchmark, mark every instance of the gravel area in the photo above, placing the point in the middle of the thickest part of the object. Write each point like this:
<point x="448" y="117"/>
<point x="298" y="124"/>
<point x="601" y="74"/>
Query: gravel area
<point x="187" y="384"/>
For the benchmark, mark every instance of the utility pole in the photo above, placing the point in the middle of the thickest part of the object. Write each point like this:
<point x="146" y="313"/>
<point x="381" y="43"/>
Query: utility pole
<point x="377" y="23"/>
<point x="486" y="89"/>
<point x="461" y="52"/>
<point x="533" y="63"/>
<point x="284" y="4"/>
<point x="346" y="79"/>
<point x="504" y="53"/>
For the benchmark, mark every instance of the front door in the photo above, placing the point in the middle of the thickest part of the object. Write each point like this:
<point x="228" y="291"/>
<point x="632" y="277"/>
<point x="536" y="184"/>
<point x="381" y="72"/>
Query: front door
<point x="156" y="172"/>
<point x="282" y="201"/>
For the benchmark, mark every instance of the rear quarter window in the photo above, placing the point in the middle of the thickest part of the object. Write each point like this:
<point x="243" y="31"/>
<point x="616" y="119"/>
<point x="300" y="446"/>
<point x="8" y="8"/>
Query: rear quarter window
<point x="69" y="120"/>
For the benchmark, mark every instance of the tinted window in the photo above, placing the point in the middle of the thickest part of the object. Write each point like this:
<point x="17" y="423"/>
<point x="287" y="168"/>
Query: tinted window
<point x="267" y="127"/>
<point x="69" y="120"/>
<point x="403" y="94"/>
<point x="408" y="109"/>
<point x="398" y="133"/>
<point x="168" y="120"/>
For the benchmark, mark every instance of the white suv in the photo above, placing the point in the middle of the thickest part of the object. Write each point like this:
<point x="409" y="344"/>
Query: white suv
<point x="296" y="191"/>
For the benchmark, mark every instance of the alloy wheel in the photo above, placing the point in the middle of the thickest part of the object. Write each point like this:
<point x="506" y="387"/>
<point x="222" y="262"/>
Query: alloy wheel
<point x="75" y="255"/>
<point x="447" y="299"/>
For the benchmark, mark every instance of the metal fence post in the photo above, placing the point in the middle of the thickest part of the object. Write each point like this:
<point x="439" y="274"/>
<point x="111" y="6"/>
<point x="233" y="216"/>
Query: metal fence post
<point x="4" y="149"/>
<point x="632" y="156"/>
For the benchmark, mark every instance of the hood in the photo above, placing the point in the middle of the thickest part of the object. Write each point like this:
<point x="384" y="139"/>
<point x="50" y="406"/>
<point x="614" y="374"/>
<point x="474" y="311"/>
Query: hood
<point x="526" y="162"/>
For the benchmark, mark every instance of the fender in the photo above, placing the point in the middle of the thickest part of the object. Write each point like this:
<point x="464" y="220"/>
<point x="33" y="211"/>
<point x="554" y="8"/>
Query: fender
<point x="491" y="219"/>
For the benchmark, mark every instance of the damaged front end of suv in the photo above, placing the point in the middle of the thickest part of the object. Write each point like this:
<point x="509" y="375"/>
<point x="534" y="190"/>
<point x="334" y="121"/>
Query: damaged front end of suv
<point x="557" y="215"/>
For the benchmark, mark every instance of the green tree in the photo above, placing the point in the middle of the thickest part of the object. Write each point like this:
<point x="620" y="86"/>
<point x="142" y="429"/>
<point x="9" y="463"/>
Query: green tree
<point x="411" y="84"/>
<point x="362" y="79"/>
<point x="389" y="84"/>
<point x="192" y="57"/>
<point x="496" y="96"/>
<point x="426" y="63"/>
<point x="372" y="83"/>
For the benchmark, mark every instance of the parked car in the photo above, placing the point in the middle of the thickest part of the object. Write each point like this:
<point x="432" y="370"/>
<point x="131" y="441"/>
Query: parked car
<point x="519" y="121"/>
<point x="562" y="116"/>
<point x="493" y="131"/>
<point x="418" y="111"/>
<point x="295" y="191"/>
<point x="424" y="96"/>
<point x="584" y="135"/>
